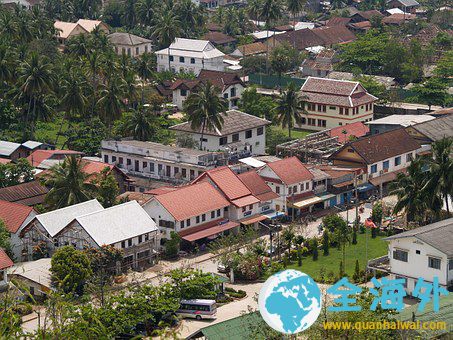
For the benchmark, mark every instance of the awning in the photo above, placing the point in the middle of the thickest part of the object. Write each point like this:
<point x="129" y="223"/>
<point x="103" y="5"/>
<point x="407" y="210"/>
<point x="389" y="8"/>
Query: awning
<point x="326" y="197"/>
<point x="244" y="201"/>
<point x="385" y="178"/>
<point x="307" y="202"/>
<point x="273" y="214"/>
<point x="254" y="219"/>
<point x="343" y="184"/>
<point x="365" y="187"/>
<point x="253" y="162"/>
<point x="217" y="229"/>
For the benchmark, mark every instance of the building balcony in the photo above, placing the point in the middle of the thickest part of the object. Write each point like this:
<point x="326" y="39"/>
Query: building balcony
<point x="381" y="263"/>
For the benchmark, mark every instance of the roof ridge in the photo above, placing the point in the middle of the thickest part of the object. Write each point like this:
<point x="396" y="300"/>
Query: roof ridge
<point x="65" y="208"/>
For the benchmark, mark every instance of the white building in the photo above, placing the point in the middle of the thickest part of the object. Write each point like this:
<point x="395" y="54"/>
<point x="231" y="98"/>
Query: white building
<point x="229" y="85"/>
<point x="190" y="55"/>
<point x="34" y="276"/>
<point x="125" y="226"/>
<point x="331" y="103"/>
<point x="43" y="228"/>
<point x="5" y="263"/>
<point x="292" y="181"/>
<point x="158" y="161"/>
<point x="195" y="211"/>
<point x="129" y="44"/>
<point x="424" y="252"/>
<point x="242" y="135"/>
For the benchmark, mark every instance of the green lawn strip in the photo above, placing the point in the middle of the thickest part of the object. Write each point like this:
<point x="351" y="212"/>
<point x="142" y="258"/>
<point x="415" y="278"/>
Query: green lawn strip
<point x="376" y="247"/>
<point x="295" y="134"/>
<point x="47" y="131"/>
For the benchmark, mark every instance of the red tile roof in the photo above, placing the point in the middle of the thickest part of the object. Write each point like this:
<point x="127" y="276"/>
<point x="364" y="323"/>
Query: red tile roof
<point x="94" y="167"/>
<point x="207" y="229"/>
<point x="4" y="161"/>
<point x="5" y="261"/>
<point x="253" y="48"/>
<point x="245" y="201"/>
<point x="192" y="200"/>
<point x="13" y="215"/>
<point x="337" y="21"/>
<point x="38" y="156"/>
<point x="227" y="182"/>
<point x="343" y="133"/>
<point x="29" y="193"/>
<point x="290" y="170"/>
<point x="218" y="38"/>
<point x="160" y="190"/>
<point x="257" y="186"/>
<point x="334" y="35"/>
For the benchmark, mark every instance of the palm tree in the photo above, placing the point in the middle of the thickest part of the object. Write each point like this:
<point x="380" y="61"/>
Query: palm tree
<point x="73" y="100"/>
<point x="290" y="107"/>
<point x="6" y="65"/>
<point x="254" y="9"/>
<point x="271" y="11"/>
<point x="69" y="184"/>
<point x="188" y="15"/>
<point x="145" y="67"/>
<point x="408" y="188"/>
<point x="129" y="16"/>
<point x="36" y="79"/>
<point x="140" y="124"/>
<point x="167" y="28"/>
<point x="294" y="7"/>
<point x="110" y="102"/>
<point x="130" y="88"/>
<point x="146" y="12"/>
<point x="440" y="180"/>
<point x="204" y="109"/>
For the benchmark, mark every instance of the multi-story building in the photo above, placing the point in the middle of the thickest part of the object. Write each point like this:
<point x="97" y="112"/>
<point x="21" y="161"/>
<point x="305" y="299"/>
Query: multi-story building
<point x="331" y="103"/>
<point x="158" y="161"/>
<point x="195" y="212"/>
<point x="425" y="252"/>
<point x="129" y="44"/>
<point x="230" y="86"/>
<point x="381" y="156"/>
<point x="293" y="182"/>
<point x="190" y="55"/>
<point x="241" y="135"/>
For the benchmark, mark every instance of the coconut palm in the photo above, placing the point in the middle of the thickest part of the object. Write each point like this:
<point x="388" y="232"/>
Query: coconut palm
<point x="36" y="79"/>
<point x="408" y="188"/>
<point x="271" y="11"/>
<point x="294" y="7"/>
<point x="144" y="68"/>
<point x="254" y="9"/>
<point x="167" y="28"/>
<point x="440" y="180"/>
<point x="204" y="109"/>
<point x="188" y="14"/>
<point x="130" y="88"/>
<point x="129" y="16"/>
<point x="146" y="12"/>
<point x="6" y="65"/>
<point x="110" y="102"/>
<point x="69" y="184"/>
<point x="140" y="124"/>
<point x="290" y="107"/>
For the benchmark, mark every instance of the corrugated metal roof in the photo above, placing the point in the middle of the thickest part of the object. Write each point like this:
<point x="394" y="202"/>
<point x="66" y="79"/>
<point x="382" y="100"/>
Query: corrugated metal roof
<point x="55" y="221"/>
<point x="118" y="223"/>
<point x="7" y="148"/>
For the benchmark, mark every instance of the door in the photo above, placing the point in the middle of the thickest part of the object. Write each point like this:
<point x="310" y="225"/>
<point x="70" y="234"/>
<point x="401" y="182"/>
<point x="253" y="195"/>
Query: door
<point x="137" y="166"/>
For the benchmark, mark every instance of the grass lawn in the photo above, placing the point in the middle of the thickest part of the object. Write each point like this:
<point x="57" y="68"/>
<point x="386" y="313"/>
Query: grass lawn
<point x="295" y="134"/>
<point x="376" y="247"/>
<point x="47" y="131"/>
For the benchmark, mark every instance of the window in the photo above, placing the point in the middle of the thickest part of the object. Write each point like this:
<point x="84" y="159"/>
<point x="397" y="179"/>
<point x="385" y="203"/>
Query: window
<point x="450" y="264"/>
<point x="260" y="131"/>
<point x="123" y="244"/>
<point x="250" y="206"/>
<point x="243" y="209"/>
<point x="129" y="242"/>
<point x="433" y="263"/>
<point x="295" y="188"/>
<point x="290" y="190"/>
<point x="151" y="167"/>
<point x="340" y="124"/>
<point x="417" y="252"/>
<point x="183" y="92"/>
<point x="129" y="52"/>
<point x="183" y="173"/>
<point x="386" y="165"/>
<point x="137" y="51"/>
<point x="408" y="158"/>
<point x="176" y="170"/>
<point x="188" y="222"/>
<point x="197" y="219"/>
<point x="346" y="112"/>
<point x="140" y="239"/>
<point x="203" y="217"/>
<point x="223" y="140"/>
<point x="218" y="212"/>
<point x="225" y="95"/>
<point x="322" y="123"/>
<point x="332" y="107"/>
<point x="181" y="59"/>
<point x="400" y="255"/>
<point x="182" y="224"/>
<point x="307" y="185"/>
<point x="374" y="168"/>
<point x="303" y="121"/>
<point x="171" y="58"/>
<point x="248" y="134"/>
<point x="192" y="60"/>
<point x="233" y="92"/>
<point x="236" y="137"/>
<point x="212" y="214"/>
<point x="146" y="237"/>
<point x="144" y="165"/>
<point x="341" y="110"/>
<point x="128" y="161"/>
<point x="324" y="108"/>
<point x="120" y="160"/>
<point x="277" y="190"/>
<point x="113" y="159"/>
<point x="319" y="107"/>
<point x="146" y="48"/>
<point x="397" y="160"/>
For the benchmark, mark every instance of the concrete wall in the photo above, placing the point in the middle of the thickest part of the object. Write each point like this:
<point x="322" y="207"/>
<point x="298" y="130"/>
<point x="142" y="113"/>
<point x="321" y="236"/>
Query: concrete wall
<point x="131" y="50"/>
<point x="213" y="64"/>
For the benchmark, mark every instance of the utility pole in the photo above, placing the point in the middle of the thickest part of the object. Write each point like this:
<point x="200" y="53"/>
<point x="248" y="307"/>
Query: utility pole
<point x="356" y="202"/>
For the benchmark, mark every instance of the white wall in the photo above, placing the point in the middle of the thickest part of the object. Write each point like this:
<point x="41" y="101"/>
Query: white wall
<point x="16" y="241"/>
<point x="213" y="64"/>
<point x="380" y="165"/>
<point x="417" y="264"/>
